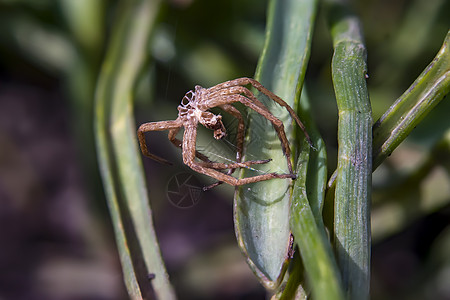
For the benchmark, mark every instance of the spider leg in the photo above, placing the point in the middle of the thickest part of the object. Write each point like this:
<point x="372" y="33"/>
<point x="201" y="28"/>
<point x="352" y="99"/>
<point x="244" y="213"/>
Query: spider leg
<point x="178" y="143"/>
<point x="189" y="141"/>
<point x="229" y="83"/>
<point x="218" y="166"/>
<point x="281" y="102"/>
<point x="240" y="146"/>
<point x="239" y="138"/>
<point x="233" y="94"/>
<point x="257" y="85"/>
<point x="240" y="130"/>
<point x="233" y="166"/>
<point x="156" y="126"/>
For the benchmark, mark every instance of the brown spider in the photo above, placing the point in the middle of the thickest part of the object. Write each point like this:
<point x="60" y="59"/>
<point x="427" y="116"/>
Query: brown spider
<point x="194" y="109"/>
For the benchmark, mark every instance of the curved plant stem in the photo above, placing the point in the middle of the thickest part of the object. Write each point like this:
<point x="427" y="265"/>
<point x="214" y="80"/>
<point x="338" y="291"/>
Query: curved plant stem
<point x="118" y="155"/>
<point x="408" y="110"/>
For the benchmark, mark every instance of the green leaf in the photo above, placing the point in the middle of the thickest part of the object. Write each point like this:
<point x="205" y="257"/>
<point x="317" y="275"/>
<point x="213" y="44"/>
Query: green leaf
<point x="118" y="153"/>
<point x="262" y="209"/>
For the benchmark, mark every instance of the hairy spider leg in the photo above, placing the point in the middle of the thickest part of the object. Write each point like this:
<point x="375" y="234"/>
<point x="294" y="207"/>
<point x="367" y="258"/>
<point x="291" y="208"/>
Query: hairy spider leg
<point x="178" y="143"/>
<point x="173" y="127"/>
<point x="223" y="166"/>
<point x="156" y="126"/>
<point x="239" y="139"/>
<point x="257" y="85"/>
<point x="218" y="165"/>
<point x="240" y="129"/>
<point x="189" y="141"/>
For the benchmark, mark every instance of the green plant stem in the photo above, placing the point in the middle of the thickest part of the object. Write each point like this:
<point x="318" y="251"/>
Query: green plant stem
<point x="118" y="154"/>
<point x="408" y="110"/>
<point x="306" y="219"/>
<point x="353" y="182"/>
<point x="294" y="288"/>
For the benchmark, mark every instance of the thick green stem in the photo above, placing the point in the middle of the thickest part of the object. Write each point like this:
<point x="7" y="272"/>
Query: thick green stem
<point x="353" y="183"/>
<point x="408" y="110"/>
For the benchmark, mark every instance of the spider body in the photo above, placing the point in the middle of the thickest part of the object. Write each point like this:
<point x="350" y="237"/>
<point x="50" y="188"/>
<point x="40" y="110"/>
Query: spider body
<point x="194" y="109"/>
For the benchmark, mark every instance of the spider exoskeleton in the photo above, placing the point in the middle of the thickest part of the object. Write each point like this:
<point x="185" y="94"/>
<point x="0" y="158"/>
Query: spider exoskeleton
<point x="194" y="109"/>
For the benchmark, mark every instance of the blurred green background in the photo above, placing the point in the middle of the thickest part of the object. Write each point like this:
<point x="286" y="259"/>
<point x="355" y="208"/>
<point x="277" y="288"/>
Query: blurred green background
<point x="56" y="237"/>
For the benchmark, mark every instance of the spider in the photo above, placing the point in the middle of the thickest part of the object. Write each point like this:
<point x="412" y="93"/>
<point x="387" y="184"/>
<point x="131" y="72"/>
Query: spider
<point x="194" y="109"/>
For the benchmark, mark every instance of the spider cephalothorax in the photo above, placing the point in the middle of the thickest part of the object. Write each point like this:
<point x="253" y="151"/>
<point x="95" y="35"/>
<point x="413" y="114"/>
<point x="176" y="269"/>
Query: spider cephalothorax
<point x="191" y="109"/>
<point x="194" y="109"/>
